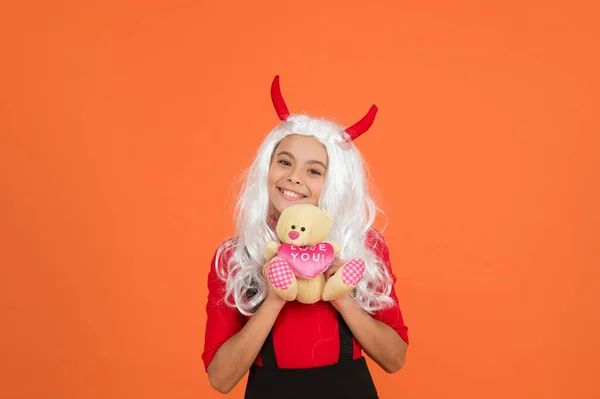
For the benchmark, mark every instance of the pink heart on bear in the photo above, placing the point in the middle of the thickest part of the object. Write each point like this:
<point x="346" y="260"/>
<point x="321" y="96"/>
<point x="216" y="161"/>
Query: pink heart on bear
<point x="309" y="261"/>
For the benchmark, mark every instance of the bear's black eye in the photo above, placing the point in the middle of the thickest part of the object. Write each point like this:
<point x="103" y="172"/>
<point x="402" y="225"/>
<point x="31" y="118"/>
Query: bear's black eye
<point x="302" y="229"/>
<point x="293" y="227"/>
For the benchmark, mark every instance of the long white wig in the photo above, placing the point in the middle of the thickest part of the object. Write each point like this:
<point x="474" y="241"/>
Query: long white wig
<point x="345" y="195"/>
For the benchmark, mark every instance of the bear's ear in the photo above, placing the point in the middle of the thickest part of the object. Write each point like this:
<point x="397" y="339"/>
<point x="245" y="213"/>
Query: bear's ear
<point x="321" y="226"/>
<point x="282" y="223"/>
<point x="327" y="216"/>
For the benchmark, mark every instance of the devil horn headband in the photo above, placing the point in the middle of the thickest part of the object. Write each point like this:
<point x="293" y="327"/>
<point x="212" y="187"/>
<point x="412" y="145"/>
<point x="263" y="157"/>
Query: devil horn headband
<point x="353" y="131"/>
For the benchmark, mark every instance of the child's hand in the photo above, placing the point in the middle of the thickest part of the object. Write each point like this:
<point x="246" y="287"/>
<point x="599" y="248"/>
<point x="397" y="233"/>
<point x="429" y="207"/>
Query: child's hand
<point x="334" y="267"/>
<point x="272" y="295"/>
<point x="342" y="277"/>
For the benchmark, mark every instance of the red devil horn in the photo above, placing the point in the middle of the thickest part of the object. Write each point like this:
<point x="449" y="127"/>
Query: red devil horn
<point x="362" y="125"/>
<point x="278" y="102"/>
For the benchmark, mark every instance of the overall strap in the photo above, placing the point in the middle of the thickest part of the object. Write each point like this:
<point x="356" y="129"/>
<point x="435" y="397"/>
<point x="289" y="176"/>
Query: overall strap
<point x="346" y="341"/>
<point x="268" y="352"/>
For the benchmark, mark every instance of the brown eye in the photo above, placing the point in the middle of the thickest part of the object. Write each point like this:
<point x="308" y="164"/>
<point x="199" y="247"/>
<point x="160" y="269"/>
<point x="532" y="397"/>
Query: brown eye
<point x="302" y="229"/>
<point x="293" y="227"/>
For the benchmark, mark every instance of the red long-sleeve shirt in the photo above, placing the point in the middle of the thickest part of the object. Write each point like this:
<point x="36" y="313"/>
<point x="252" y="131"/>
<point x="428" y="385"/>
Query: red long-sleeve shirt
<point x="303" y="335"/>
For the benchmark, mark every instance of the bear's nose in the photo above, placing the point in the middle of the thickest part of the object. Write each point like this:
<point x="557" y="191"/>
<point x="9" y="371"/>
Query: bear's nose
<point x="293" y="234"/>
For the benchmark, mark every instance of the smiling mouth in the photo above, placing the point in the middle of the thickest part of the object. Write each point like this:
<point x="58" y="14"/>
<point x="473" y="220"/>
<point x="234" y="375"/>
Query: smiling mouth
<point x="290" y="195"/>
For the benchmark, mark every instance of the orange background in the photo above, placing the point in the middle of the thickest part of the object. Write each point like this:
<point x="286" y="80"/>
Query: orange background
<point x="123" y="127"/>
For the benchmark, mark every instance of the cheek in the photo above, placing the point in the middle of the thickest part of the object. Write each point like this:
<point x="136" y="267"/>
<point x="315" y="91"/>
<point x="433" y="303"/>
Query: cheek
<point x="273" y="176"/>
<point x="315" y="191"/>
<point x="317" y="188"/>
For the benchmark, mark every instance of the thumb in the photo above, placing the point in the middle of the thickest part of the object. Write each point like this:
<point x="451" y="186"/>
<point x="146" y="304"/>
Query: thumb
<point x="265" y="270"/>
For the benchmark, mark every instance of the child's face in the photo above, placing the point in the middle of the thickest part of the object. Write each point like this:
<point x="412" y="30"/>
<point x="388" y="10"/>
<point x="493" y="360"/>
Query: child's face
<point x="297" y="172"/>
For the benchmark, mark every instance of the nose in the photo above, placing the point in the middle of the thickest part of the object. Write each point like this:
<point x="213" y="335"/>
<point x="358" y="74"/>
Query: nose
<point x="293" y="179"/>
<point x="293" y="234"/>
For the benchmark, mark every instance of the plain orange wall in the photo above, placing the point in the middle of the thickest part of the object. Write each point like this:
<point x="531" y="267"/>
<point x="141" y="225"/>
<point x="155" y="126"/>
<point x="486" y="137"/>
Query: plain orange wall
<point x="124" y="124"/>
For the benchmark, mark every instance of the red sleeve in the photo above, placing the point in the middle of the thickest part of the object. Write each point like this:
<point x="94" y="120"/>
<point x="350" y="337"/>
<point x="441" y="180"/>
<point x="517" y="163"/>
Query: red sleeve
<point x="391" y="316"/>
<point x="222" y="321"/>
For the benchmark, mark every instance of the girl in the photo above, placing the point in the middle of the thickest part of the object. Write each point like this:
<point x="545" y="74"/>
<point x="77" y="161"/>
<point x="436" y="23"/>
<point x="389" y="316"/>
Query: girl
<point x="293" y="350"/>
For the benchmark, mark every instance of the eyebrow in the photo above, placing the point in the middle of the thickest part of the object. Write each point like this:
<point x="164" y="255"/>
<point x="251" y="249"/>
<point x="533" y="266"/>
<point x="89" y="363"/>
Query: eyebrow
<point x="289" y="154"/>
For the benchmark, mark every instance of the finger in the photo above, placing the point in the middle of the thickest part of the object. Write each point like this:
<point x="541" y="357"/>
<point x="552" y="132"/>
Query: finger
<point x="265" y="270"/>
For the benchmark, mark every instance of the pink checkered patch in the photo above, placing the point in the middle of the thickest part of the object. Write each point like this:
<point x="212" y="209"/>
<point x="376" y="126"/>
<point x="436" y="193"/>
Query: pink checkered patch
<point x="352" y="272"/>
<point x="280" y="274"/>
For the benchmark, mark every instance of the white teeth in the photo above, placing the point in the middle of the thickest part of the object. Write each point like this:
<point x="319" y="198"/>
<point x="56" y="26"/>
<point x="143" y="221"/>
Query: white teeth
<point x="291" y="194"/>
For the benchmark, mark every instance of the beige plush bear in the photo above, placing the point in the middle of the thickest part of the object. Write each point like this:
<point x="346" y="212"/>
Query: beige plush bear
<point x="298" y="263"/>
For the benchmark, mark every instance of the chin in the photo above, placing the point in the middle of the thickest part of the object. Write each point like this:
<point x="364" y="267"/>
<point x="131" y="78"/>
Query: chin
<point x="280" y="207"/>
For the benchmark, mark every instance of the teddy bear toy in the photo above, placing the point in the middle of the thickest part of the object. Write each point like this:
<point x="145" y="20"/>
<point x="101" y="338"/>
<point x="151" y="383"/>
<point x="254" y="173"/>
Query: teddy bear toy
<point x="298" y="263"/>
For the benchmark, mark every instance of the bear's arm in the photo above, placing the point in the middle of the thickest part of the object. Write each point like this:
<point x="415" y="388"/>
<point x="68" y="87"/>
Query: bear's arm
<point x="271" y="249"/>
